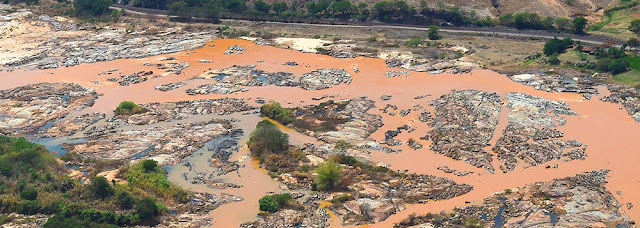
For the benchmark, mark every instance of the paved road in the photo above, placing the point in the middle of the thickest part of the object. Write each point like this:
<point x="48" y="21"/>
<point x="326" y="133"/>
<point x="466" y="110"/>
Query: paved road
<point x="461" y="30"/>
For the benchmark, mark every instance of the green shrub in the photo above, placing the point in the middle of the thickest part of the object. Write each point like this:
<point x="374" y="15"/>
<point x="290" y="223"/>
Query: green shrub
<point x="149" y="165"/>
<point x="128" y="107"/>
<point x="268" y="204"/>
<point x="29" y="194"/>
<point x="267" y="138"/>
<point x="147" y="211"/>
<point x="125" y="200"/>
<point x="58" y="221"/>
<point x="100" y="187"/>
<point x="274" y="111"/>
<point x="28" y="207"/>
<point x="433" y="33"/>
<point x="329" y="175"/>
<point x="274" y="202"/>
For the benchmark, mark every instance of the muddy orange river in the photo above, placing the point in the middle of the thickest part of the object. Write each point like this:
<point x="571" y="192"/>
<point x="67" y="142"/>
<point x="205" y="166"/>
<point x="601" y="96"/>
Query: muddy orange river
<point x="609" y="132"/>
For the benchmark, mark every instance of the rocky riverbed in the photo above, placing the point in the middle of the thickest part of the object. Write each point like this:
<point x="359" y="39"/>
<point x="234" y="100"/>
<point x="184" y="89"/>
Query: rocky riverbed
<point x="63" y="42"/>
<point x="531" y="135"/>
<point x="577" y="201"/>
<point x="464" y="123"/>
<point x="28" y="109"/>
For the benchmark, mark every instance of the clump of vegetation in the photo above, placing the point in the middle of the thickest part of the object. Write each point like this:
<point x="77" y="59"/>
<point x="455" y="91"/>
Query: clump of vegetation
<point x="154" y="181"/>
<point x="267" y="139"/>
<point x="557" y="46"/>
<point x="275" y="202"/>
<point x="274" y="111"/>
<point x="329" y="174"/>
<point x="433" y="33"/>
<point x="91" y="8"/>
<point x="271" y="147"/>
<point x="128" y="107"/>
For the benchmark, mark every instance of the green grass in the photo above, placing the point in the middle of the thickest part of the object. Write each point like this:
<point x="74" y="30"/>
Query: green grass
<point x="529" y="61"/>
<point x="616" y="24"/>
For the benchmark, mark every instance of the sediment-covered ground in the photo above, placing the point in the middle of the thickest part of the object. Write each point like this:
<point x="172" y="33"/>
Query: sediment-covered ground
<point x="420" y="142"/>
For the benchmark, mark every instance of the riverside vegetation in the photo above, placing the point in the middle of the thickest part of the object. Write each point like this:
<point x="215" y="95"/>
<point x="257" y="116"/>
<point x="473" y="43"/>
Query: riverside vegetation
<point x="32" y="181"/>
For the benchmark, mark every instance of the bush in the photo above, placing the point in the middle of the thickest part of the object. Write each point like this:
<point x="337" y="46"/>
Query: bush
<point x="553" y="59"/>
<point x="268" y="204"/>
<point x="634" y="26"/>
<point x="267" y="138"/>
<point x="147" y="210"/>
<point x="149" y="165"/>
<point x="128" y="107"/>
<point x="274" y="202"/>
<point x="619" y="66"/>
<point x="328" y="176"/>
<point x="74" y="222"/>
<point x="274" y="111"/>
<point x="28" y="207"/>
<point x="29" y="194"/>
<point x="101" y="188"/>
<point x="89" y="8"/>
<point x="556" y="46"/>
<point x="154" y="182"/>
<point x="433" y="33"/>
<point x="125" y="200"/>
<point x="579" y="24"/>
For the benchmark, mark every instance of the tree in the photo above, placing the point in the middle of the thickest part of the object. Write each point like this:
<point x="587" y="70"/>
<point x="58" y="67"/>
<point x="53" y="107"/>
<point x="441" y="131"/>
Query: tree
<point x="392" y="11"/>
<point x="149" y="165"/>
<point x="633" y="42"/>
<point x="89" y="8"/>
<point x="147" y="210"/>
<point x="556" y="46"/>
<point x="562" y="24"/>
<point x="262" y="6"/>
<point x="274" y="111"/>
<point x="553" y="59"/>
<point x="280" y="7"/>
<point x="507" y="20"/>
<point x="329" y="175"/>
<point x="273" y="203"/>
<point x="101" y="187"/>
<point x="29" y="194"/>
<point x="125" y="200"/>
<point x="579" y="23"/>
<point x="634" y="26"/>
<point x="433" y="33"/>
<point x="619" y="66"/>
<point x="236" y="6"/>
<point x="267" y="138"/>
<point x="341" y="9"/>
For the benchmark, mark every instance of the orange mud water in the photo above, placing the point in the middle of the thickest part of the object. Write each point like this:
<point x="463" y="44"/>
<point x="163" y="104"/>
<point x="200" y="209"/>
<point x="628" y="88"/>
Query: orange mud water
<point x="609" y="132"/>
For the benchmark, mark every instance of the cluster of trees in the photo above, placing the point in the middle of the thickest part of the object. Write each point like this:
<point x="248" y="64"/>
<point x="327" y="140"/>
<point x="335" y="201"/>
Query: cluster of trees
<point x="556" y="46"/>
<point x="390" y="11"/>
<point x="32" y="181"/>
<point x="526" y="20"/>
<point x="610" y="59"/>
<point x="274" y="111"/>
<point x="91" y="8"/>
